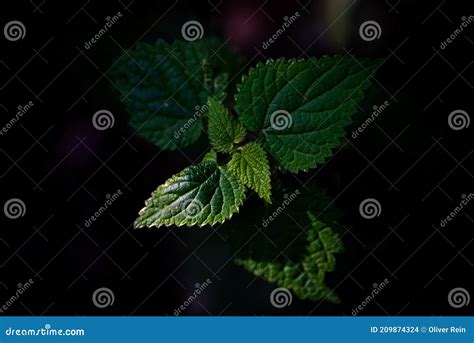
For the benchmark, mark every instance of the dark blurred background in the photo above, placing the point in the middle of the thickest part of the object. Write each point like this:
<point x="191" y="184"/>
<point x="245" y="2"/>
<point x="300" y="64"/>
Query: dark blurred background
<point x="62" y="167"/>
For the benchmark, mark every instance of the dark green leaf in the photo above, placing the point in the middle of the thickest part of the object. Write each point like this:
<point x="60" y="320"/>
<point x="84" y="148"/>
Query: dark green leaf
<point x="165" y="88"/>
<point x="301" y="107"/>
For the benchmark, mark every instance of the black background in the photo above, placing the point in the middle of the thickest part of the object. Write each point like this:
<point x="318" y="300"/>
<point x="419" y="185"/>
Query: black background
<point x="62" y="168"/>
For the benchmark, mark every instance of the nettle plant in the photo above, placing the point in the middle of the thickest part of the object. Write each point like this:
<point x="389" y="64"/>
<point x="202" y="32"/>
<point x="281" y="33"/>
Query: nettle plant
<point x="286" y="117"/>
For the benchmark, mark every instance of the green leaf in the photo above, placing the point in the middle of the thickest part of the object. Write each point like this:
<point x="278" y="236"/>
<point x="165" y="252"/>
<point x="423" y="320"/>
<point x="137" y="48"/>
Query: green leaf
<point x="301" y="107"/>
<point x="292" y="244"/>
<point x="203" y="194"/>
<point x="165" y="88"/>
<point x="250" y="166"/>
<point x="223" y="130"/>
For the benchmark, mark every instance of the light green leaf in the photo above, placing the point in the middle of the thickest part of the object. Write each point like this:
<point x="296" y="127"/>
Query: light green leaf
<point x="223" y="130"/>
<point x="301" y="107"/>
<point x="250" y="166"/>
<point x="203" y="194"/>
<point x="165" y="88"/>
<point x="293" y="243"/>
